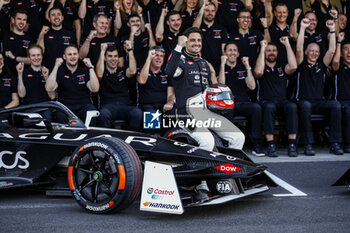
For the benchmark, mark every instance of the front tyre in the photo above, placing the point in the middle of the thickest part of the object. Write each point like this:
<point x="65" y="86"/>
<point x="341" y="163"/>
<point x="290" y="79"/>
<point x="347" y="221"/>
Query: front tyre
<point x="104" y="175"/>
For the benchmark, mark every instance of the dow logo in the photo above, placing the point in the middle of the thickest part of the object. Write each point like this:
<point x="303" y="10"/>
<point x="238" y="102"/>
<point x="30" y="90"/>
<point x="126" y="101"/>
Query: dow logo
<point x="228" y="168"/>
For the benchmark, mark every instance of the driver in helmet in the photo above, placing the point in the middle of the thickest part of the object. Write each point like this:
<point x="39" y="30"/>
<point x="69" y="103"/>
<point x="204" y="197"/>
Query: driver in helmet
<point x="191" y="75"/>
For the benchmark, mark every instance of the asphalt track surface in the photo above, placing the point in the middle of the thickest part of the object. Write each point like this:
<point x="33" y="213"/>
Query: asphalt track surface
<point x="305" y="202"/>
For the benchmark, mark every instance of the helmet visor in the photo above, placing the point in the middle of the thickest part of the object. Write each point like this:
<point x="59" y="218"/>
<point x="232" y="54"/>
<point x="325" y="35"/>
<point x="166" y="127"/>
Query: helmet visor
<point x="221" y="96"/>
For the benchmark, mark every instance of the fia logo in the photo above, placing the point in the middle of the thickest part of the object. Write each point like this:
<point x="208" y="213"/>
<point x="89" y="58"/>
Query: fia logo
<point x="151" y="120"/>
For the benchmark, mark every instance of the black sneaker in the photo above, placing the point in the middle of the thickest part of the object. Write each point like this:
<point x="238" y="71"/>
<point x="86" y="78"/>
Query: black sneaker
<point x="292" y="150"/>
<point x="347" y="149"/>
<point x="258" y="151"/>
<point x="271" y="151"/>
<point x="308" y="150"/>
<point x="335" y="149"/>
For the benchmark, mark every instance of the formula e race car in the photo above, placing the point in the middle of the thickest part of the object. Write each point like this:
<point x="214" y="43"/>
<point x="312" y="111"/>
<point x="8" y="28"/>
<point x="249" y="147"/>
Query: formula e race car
<point x="107" y="169"/>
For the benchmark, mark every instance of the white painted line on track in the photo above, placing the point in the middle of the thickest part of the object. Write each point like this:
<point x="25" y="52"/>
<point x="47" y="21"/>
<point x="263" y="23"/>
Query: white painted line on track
<point x="294" y="191"/>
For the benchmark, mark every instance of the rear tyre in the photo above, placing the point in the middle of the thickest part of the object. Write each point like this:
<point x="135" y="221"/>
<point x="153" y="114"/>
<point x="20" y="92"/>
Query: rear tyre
<point x="104" y="175"/>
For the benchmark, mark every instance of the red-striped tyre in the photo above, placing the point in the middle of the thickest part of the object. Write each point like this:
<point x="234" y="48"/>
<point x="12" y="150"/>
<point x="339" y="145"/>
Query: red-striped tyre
<point x="104" y="175"/>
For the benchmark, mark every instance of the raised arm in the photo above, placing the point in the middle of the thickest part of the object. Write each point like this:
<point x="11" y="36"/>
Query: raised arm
<point x="198" y="21"/>
<point x="131" y="70"/>
<point x="160" y="26"/>
<point x="327" y="59"/>
<point x="250" y="81"/>
<point x="48" y="9"/>
<point x="21" y="89"/>
<point x="77" y="25"/>
<point x="269" y="12"/>
<point x="143" y="76"/>
<point x="335" y="16"/>
<point x="213" y="78"/>
<point x="294" y="26"/>
<point x="248" y="4"/>
<point x="292" y="66"/>
<point x="267" y="36"/>
<point x="171" y="68"/>
<point x="336" y="58"/>
<point x="300" y="41"/>
<point x="152" y="41"/>
<point x="178" y="5"/>
<point x="100" y="65"/>
<point x="82" y="9"/>
<point x="93" y="84"/>
<point x="41" y="37"/>
<point x="222" y="77"/>
<point x="84" y="49"/>
<point x="51" y="81"/>
<point x="118" y="18"/>
<point x="3" y="3"/>
<point x="260" y="62"/>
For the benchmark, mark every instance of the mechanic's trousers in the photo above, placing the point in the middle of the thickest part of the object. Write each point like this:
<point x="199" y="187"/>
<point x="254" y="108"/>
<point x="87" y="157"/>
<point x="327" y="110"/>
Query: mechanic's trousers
<point x="330" y="108"/>
<point x="116" y="111"/>
<point x="224" y="128"/>
<point x="345" y="109"/>
<point x="253" y="112"/>
<point x="290" y="111"/>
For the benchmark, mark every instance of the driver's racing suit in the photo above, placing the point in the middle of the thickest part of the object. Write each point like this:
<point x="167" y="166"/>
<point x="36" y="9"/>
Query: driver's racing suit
<point x="191" y="75"/>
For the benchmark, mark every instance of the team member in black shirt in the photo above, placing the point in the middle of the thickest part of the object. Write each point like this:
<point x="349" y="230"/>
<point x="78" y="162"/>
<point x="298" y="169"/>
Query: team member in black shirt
<point x="214" y="35"/>
<point x="115" y="99"/>
<point x="92" y="45"/>
<point x="71" y="21"/>
<point x="310" y="89"/>
<point x="8" y="87"/>
<point x="168" y="34"/>
<point x="156" y="91"/>
<point x="142" y="40"/>
<point x="280" y="28"/>
<point x="4" y="16"/>
<point x="56" y="39"/>
<point x="272" y="76"/>
<point x="74" y="83"/>
<point x="33" y="9"/>
<point x="248" y="40"/>
<point x="87" y="11"/>
<point x="227" y="13"/>
<point x="153" y="9"/>
<point x="341" y="64"/>
<point x="313" y="36"/>
<point x="238" y="77"/>
<point x="16" y="42"/>
<point x="32" y="80"/>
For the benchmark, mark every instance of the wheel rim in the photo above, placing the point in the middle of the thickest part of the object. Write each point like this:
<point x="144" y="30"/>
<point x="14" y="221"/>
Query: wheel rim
<point x="97" y="176"/>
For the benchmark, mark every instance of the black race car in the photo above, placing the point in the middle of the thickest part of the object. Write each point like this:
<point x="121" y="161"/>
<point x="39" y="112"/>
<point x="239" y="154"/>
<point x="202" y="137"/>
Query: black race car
<point x="105" y="167"/>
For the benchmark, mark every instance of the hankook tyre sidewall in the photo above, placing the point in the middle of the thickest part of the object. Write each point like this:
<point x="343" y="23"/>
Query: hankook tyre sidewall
<point x="123" y="155"/>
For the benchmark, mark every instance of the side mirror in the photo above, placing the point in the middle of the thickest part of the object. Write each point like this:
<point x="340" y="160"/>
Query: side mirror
<point x="89" y="115"/>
